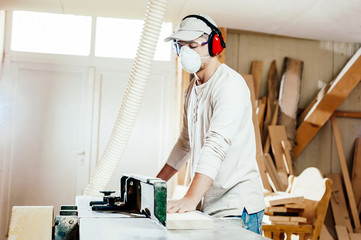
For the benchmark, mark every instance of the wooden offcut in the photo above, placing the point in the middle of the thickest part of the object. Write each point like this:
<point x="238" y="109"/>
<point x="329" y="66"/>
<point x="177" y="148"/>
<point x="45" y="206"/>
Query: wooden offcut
<point x="286" y="148"/>
<point x="259" y="149"/>
<point x="356" y="172"/>
<point x="298" y="205"/>
<point x="272" y="98"/>
<point x="345" y="174"/>
<point x="256" y="71"/>
<point x="342" y="232"/>
<point x="275" y="209"/>
<point x="260" y="111"/>
<point x="278" y="184"/>
<point x="31" y="222"/>
<point x="281" y="198"/>
<point x="277" y="135"/>
<point x="273" y="122"/>
<point x="189" y="220"/>
<point x="355" y="236"/>
<point x="347" y="114"/>
<point x="287" y="219"/>
<point x="326" y="103"/>
<point x="289" y="96"/>
<point x="338" y="203"/>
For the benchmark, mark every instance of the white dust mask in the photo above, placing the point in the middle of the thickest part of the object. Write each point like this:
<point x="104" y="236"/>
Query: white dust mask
<point x="190" y="60"/>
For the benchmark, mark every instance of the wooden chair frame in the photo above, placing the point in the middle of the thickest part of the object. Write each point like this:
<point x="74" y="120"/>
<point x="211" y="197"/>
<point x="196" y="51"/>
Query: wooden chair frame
<point x="304" y="231"/>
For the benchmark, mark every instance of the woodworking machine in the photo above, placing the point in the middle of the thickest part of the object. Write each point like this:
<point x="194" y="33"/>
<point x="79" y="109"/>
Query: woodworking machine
<point x="138" y="195"/>
<point x="139" y="212"/>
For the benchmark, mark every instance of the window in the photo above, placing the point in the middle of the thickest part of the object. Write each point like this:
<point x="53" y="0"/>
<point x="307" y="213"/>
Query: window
<point x="69" y="34"/>
<point x="51" y="33"/>
<point x="119" y="38"/>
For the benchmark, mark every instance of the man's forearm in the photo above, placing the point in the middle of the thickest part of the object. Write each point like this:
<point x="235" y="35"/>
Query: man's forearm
<point x="167" y="172"/>
<point x="198" y="188"/>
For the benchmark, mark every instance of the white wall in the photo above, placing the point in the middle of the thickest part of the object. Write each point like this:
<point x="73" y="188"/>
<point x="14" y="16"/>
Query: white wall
<point x="2" y="36"/>
<point x="59" y="114"/>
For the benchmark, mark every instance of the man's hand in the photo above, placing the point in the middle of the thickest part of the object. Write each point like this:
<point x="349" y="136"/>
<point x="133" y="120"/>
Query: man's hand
<point x="185" y="204"/>
<point x="199" y="186"/>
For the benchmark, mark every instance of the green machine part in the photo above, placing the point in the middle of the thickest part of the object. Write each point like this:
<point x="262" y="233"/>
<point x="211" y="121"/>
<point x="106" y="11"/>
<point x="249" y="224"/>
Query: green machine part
<point x="160" y="199"/>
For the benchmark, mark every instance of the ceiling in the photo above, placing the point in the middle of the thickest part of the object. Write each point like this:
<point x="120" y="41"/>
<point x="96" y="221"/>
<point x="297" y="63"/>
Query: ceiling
<point x="333" y="20"/>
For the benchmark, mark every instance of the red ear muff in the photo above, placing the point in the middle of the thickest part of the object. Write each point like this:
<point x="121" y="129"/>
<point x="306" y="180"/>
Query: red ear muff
<point x="216" y="43"/>
<point x="215" y="46"/>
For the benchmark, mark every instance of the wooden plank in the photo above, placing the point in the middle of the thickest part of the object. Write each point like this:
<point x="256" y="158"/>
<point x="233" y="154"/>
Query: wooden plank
<point x="356" y="172"/>
<point x="31" y="222"/>
<point x="298" y="219"/>
<point x="272" y="171"/>
<point x="256" y="71"/>
<point x="342" y="232"/>
<point x="286" y="153"/>
<point x="259" y="150"/>
<point x="324" y="106"/>
<point x="222" y="56"/>
<point x="289" y="96"/>
<point x="298" y="205"/>
<point x="276" y="209"/>
<point x="325" y="234"/>
<point x="298" y="229"/>
<point x="305" y="112"/>
<point x="346" y="176"/>
<point x="284" y="223"/>
<point x="273" y="122"/>
<point x="355" y="236"/>
<point x="189" y="220"/>
<point x="280" y="198"/>
<point x="348" y="114"/>
<point x="287" y="219"/>
<point x="338" y="202"/>
<point x="261" y="109"/>
<point x="284" y="200"/>
<point x="277" y="135"/>
<point x="273" y="86"/>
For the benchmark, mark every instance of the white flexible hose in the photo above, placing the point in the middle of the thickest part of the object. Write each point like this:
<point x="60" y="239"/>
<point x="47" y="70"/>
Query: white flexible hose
<point x="132" y="99"/>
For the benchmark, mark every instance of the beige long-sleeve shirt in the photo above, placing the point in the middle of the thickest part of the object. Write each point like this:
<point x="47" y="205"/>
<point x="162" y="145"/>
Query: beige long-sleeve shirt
<point x="219" y="135"/>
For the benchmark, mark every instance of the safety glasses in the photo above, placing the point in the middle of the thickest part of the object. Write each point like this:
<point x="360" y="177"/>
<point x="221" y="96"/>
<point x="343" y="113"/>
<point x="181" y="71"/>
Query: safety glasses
<point x="191" y="44"/>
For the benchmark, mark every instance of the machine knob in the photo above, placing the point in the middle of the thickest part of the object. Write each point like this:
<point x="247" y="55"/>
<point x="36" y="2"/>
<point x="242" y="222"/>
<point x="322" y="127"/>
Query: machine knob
<point x="107" y="193"/>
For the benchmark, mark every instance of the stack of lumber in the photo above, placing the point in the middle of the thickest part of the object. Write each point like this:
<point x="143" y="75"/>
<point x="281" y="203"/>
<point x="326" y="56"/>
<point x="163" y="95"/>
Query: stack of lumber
<point x="281" y="135"/>
<point x="285" y="209"/>
<point x="346" y="210"/>
<point x="275" y="120"/>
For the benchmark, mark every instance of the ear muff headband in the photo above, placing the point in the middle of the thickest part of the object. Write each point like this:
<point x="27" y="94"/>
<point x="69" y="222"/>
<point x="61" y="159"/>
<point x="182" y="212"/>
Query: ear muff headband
<point x="216" y="42"/>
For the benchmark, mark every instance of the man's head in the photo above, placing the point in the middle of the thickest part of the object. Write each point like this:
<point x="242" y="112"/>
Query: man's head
<point x="201" y="39"/>
<point x="194" y="26"/>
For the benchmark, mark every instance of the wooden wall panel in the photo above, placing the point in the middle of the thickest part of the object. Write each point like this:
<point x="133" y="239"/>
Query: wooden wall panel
<point x="322" y="62"/>
<point x="317" y="59"/>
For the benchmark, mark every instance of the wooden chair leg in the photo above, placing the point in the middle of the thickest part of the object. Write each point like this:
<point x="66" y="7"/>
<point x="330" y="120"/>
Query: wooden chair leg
<point x="288" y="234"/>
<point x="302" y="236"/>
<point x="268" y="234"/>
<point x="276" y="236"/>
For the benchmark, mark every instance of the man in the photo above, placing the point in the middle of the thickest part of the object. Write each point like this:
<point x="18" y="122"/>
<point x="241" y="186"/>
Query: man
<point x="217" y="132"/>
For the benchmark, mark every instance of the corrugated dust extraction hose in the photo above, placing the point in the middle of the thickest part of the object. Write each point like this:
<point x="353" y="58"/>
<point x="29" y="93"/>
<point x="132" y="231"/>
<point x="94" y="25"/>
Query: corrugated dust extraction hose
<point x="132" y="99"/>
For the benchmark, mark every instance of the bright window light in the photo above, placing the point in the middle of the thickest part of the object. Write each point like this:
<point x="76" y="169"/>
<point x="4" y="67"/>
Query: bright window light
<point x="119" y="38"/>
<point x="51" y="33"/>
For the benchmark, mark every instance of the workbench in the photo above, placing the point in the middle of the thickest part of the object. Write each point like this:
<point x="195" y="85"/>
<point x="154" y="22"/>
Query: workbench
<point x="116" y="226"/>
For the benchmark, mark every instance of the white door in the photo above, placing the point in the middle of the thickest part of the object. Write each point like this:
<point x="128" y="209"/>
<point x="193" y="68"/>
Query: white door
<point x="46" y="145"/>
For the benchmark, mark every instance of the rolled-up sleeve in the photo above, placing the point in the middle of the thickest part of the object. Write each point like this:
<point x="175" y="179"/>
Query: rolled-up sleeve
<point x="229" y="103"/>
